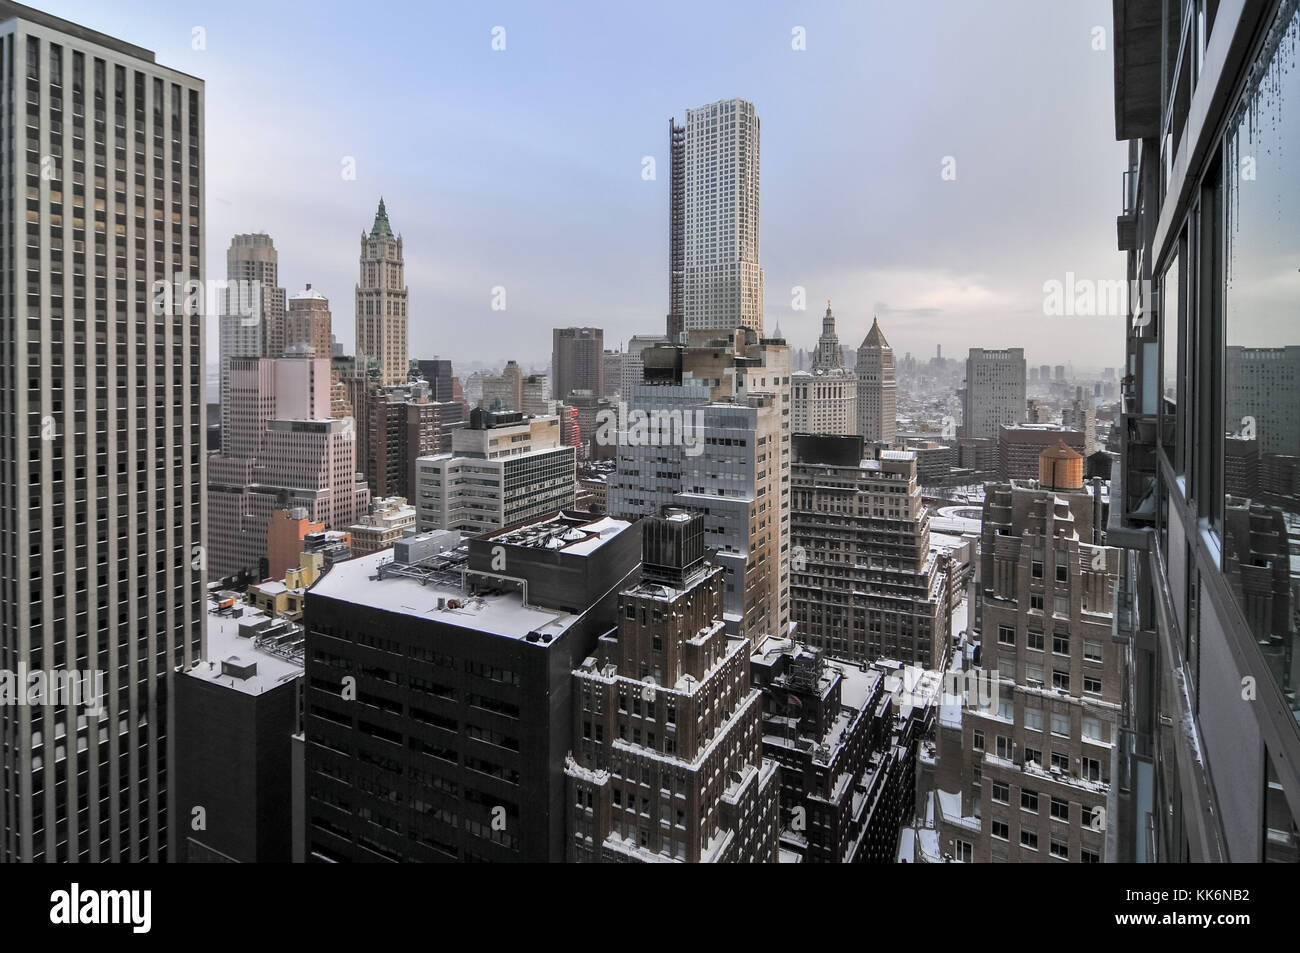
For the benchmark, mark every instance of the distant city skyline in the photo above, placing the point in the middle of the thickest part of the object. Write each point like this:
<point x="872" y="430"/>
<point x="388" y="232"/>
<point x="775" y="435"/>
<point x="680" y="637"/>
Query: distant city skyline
<point x="519" y="169"/>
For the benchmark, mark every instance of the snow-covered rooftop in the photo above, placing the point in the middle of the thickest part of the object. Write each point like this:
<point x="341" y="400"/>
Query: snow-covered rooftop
<point x="226" y="644"/>
<point x="356" y="581"/>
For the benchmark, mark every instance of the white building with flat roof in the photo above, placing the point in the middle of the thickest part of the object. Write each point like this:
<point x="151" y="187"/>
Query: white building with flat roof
<point x="503" y="468"/>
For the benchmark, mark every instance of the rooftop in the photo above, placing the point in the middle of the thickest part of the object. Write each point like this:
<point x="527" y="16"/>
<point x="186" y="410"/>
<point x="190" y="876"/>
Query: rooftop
<point x="563" y="533"/>
<point x="274" y="645"/>
<point x="499" y="612"/>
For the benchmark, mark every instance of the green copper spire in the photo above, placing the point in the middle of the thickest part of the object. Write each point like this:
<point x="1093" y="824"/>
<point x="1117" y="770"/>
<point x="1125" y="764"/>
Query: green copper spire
<point x="381" y="228"/>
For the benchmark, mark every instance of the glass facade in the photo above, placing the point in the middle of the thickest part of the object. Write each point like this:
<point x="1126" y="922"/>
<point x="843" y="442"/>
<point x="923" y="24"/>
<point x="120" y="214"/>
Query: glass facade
<point x="1261" y="399"/>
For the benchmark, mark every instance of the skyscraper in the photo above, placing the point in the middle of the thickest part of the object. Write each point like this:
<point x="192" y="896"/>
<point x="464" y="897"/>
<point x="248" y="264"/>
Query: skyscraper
<point x="251" y="320"/>
<point x="825" y="399"/>
<point x="729" y="459"/>
<point x="864" y="583"/>
<point x="577" y="361"/>
<point x="676" y="226"/>
<point x="662" y="709"/>
<point x="877" y="388"/>
<point x="1024" y="773"/>
<point x="382" y="301"/>
<point x="457" y="752"/>
<point x="994" y="395"/>
<point x="101" y="434"/>
<point x="722" y="283"/>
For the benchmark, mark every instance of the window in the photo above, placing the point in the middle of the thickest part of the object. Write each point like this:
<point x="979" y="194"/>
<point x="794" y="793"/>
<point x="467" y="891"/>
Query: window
<point x="1005" y="748"/>
<point x="1035" y="640"/>
<point x="1060" y="679"/>
<point x="962" y="852"/>
<point x="1062" y="572"/>
<point x="1091" y="651"/>
<point x="1061" y="644"/>
<point x="1059" y="848"/>
<point x="1091" y="728"/>
<point x="1061" y="724"/>
<point x="1029" y="800"/>
<point x="1036" y="569"/>
<point x="1001" y="793"/>
<point x="1091" y="685"/>
<point x="1036" y="602"/>
<point x="1034" y="675"/>
<point x="1000" y="830"/>
<point x="1060" y="809"/>
<point x="1006" y="635"/>
<point x="1034" y="718"/>
<point x="1060" y="762"/>
<point x="1091" y="769"/>
<point x="1029" y="840"/>
<point x="977" y="739"/>
<point x="1006" y="709"/>
<point x="1033" y="754"/>
<point x="1089" y="857"/>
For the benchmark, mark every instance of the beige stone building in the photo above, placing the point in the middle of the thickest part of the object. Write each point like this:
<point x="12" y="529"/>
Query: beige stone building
<point x="667" y="763"/>
<point x="382" y="302"/>
<point x="1024" y="773"/>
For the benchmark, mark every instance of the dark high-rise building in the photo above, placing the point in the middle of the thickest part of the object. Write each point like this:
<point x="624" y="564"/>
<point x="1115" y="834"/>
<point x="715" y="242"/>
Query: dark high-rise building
<point x="439" y="698"/>
<point x="404" y="424"/>
<point x="236" y="714"/>
<point x="847" y="750"/>
<point x="1204" y="95"/>
<point x="442" y="381"/>
<point x="577" y="362"/>
<point x="102" y="458"/>
<point x="676" y="227"/>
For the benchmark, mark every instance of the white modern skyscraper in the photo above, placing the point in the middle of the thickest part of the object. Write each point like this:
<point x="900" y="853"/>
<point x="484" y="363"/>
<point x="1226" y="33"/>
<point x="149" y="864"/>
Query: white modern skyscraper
<point x="101" y="434"/>
<point x="501" y="470"/>
<point x="722" y="286"/>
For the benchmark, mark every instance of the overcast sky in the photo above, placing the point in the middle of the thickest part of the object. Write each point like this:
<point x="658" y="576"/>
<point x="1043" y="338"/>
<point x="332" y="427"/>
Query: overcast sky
<point x="522" y="168"/>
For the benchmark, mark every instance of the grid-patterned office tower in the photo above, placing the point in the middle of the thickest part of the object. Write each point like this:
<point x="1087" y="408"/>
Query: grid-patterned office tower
<point x="382" y="300"/>
<point x="101" y="433"/>
<point x="994" y="394"/>
<point x="722" y="284"/>
<point x="577" y="361"/>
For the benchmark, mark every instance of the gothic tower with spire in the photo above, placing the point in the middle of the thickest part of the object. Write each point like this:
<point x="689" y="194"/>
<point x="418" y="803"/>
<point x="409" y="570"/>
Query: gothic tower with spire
<point x="381" y="302"/>
<point x="824" y="399"/>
